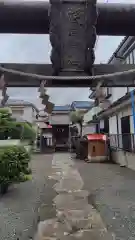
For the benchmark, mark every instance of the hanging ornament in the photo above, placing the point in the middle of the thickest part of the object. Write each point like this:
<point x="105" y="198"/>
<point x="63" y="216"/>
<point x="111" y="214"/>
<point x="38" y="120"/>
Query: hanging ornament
<point x="42" y="88"/>
<point x="49" y="107"/>
<point x="45" y="99"/>
<point x="4" y="91"/>
<point x="4" y="100"/>
<point x="2" y="81"/>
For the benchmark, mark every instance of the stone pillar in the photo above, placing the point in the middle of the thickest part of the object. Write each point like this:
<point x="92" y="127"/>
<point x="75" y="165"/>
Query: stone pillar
<point x="73" y="36"/>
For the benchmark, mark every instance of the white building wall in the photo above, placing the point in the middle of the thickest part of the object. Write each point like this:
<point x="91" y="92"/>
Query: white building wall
<point x="60" y="119"/>
<point x="113" y="125"/>
<point x="123" y="113"/>
<point x="89" y="115"/>
<point x="89" y="129"/>
<point x="17" y="113"/>
<point x="28" y="114"/>
<point x="113" y="120"/>
<point x="117" y="93"/>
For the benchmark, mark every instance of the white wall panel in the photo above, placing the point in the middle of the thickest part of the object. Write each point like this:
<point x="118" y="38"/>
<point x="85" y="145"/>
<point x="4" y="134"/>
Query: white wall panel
<point x="113" y="125"/>
<point x="118" y="93"/>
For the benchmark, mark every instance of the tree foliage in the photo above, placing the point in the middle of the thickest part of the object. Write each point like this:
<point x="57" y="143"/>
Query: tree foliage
<point x="77" y="117"/>
<point x="9" y="127"/>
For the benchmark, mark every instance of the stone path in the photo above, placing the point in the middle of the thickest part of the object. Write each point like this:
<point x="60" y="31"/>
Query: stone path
<point x="75" y="217"/>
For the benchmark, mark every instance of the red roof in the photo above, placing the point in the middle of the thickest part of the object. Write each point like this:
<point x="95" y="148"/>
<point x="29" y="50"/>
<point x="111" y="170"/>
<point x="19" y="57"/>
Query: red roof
<point x="97" y="137"/>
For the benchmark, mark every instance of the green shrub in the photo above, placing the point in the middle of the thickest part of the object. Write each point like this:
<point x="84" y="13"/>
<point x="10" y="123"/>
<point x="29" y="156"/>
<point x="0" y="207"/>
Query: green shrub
<point x="23" y="158"/>
<point x="13" y="162"/>
<point x="8" y="126"/>
<point x="15" y="130"/>
<point x="28" y="133"/>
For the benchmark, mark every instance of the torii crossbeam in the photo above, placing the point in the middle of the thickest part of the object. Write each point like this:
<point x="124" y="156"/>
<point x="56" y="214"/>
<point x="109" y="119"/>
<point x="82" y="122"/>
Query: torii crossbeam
<point x="73" y="26"/>
<point x="18" y="16"/>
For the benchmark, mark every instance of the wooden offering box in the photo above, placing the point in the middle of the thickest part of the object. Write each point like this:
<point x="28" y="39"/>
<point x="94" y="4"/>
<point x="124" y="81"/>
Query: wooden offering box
<point x="97" y="147"/>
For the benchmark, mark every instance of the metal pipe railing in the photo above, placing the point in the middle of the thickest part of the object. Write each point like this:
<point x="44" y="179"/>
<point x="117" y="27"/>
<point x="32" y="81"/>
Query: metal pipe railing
<point x="33" y="17"/>
<point x="125" y="142"/>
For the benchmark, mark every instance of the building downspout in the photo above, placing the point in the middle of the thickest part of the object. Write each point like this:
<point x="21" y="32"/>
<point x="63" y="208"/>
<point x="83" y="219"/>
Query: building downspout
<point x="133" y="108"/>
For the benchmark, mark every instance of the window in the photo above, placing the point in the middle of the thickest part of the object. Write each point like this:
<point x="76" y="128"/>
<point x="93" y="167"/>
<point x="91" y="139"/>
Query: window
<point x="126" y="136"/>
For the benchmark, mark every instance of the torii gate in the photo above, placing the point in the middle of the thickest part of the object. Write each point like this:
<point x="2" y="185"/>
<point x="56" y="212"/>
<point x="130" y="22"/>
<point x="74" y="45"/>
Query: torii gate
<point x="73" y="26"/>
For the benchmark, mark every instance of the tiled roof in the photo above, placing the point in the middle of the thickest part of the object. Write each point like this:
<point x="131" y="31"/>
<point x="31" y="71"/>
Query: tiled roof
<point x="82" y="104"/>
<point x="62" y="108"/>
<point x="127" y="41"/>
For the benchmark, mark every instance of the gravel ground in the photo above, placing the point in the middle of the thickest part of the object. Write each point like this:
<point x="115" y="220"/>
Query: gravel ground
<point x="112" y="192"/>
<point x="20" y="208"/>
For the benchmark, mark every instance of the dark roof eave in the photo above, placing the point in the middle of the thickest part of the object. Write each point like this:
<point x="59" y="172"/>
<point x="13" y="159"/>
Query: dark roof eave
<point x="92" y="95"/>
<point x="93" y="121"/>
<point x="116" y="103"/>
<point x="126" y="43"/>
<point x="118" y="48"/>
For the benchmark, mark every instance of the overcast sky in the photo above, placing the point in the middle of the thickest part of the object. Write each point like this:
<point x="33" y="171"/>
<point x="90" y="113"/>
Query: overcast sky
<point x="36" y="49"/>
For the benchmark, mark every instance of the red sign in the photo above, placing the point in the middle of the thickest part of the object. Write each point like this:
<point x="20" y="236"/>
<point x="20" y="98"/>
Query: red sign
<point x="49" y="126"/>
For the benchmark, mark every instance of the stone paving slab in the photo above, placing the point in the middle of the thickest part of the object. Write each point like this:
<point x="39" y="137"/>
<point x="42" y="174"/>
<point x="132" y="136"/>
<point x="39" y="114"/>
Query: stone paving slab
<point x="75" y="217"/>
